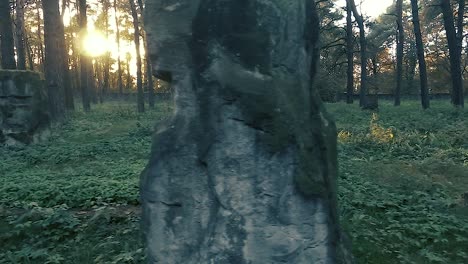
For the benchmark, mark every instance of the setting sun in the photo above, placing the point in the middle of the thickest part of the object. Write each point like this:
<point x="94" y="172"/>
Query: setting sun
<point x="95" y="44"/>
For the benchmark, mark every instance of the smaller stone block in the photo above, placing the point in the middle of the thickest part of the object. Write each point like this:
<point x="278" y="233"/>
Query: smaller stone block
<point x="24" y="115"/>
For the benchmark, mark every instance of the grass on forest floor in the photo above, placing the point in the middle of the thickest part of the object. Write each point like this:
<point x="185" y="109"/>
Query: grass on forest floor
<point x="74" y="198"/>
<point x="403" y="177"/>
<point x="404" y="182"/>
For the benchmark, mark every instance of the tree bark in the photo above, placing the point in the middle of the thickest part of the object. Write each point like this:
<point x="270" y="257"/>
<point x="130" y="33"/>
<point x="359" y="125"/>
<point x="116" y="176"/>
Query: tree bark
<point x="30" y="54"/>
<point x="149" y="71"/>
<point x="410" y="71"/>
<point x="99" y="74"/>
<point x="105" y="85"/>
<point x="258" y="150"/>
<point x="53" y="58"/>
<point x="421" y="58"/>
<point x="349" y="54"/>
<point x="136" y="34"/>
<point x="67" y="83"/>
<point x="119" y="61"/>
<point x="129" y="81"/>
<point x="20" y="35"/>
<point x="363" y="52"/>
<point x="7" y="42"/>
<point x="460" y="35"/>
<point x="149" y="78"/>
<point x="84" y="80"/>
<point x="454" y="44"/>
<point x="400" y="45"/>
<point x="39" y="37"/>
<point x="92" y="87"/>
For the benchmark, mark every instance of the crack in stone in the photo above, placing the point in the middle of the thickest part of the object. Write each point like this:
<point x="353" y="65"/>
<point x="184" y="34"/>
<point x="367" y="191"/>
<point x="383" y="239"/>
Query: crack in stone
<point x="253" y="126"/>
<point x="171" y="204"/>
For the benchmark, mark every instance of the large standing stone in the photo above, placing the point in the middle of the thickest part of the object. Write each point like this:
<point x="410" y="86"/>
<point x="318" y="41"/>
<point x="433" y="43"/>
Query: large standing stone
<point x="245" y="170"/>
<point x="23" y="107"/>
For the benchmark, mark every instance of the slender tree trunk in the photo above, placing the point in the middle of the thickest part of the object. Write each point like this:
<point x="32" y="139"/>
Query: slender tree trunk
<point x="39" y="37"/>
<point x="99" y="73"/>
<point x="460" y="35"/>
<point x="29" y="53"/>
<point x="129" y="81"/>
<point x="53" y="58"/>
<point x="75" y="71"/>
<point x="67" y="84"/>
<point x="460" y="24"/>
<point x="149" y="79"/>
<point x="92" y="88"/>
<point x="363" y="46"/>
<point x="6" y="37"/>
<point x="421" y="58"/>
<point x="400" y="45"/>
<point x="77" y="74"/>
<point x="119" y="61"/>
<point x="454" y="43"/>
<point x="20" y="35"/>
<point x="105" y="84"/>
<point x="84" y="80"/>
<point x="412" y="61"/>
<point x="149" y="72"/>
<point x="349" y="55"/>
<point x="375" y="69"/>
<point x="136" y="28"/>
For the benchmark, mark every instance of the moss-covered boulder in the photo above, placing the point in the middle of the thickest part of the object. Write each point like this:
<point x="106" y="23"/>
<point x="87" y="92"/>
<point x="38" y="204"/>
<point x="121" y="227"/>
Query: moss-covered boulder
<point x="24" y="115"/>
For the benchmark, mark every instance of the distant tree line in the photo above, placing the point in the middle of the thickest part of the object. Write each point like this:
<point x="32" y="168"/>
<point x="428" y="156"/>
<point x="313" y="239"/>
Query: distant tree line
<point x="414" y="48"/>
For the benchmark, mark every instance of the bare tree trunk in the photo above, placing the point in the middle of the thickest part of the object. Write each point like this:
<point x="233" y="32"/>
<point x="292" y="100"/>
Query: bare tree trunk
<point x="136" y="28"/>
<point x="105" y="84"/>
<point x="6" y="35"/>
<point x="460" y="35"/>
<point x="400" y="45"/>
<point x="92" y="88"/>
<point x="410" y="72"/>
<point x="349" y="55"/>
<point x="84" y="60"/>
<point x="53" y="58"/>
<point x="75" y="71"/>
<point x="20" y="35"/>
<point x="454" y="44"/>
<point x="421" y="59"/>
<point x="29" y="53"/>
<point x="129" y="81"/>
<point x="99" y="73"/>
<point x="149" y="79"/>
<point x="149" y="72"/>
<point x="39" y="37"/>
<point x="67" y="84"/>
<point x="119" y="61"/>
<point x="363" y="47"/>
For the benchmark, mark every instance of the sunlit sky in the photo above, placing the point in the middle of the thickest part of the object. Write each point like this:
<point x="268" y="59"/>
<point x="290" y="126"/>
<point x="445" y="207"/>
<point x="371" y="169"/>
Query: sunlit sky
<point x="372" y="8"/>
<point x="96" y="44"/>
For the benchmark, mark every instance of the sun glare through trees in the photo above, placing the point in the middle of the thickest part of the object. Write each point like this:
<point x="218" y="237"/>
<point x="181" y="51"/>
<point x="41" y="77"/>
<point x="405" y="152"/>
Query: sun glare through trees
<point x="95" y="44"/>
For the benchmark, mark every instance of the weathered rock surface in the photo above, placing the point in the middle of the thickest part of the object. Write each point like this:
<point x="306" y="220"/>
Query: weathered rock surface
<point x="245" y="170"/>
<point x="23" y="107"/>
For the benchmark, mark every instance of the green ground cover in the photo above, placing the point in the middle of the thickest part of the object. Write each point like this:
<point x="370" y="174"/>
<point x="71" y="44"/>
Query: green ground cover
<point x="403" y="186"/>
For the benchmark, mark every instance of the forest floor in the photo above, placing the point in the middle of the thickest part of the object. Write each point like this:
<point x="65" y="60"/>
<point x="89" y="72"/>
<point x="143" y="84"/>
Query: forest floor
<point x="403" y="186"/>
